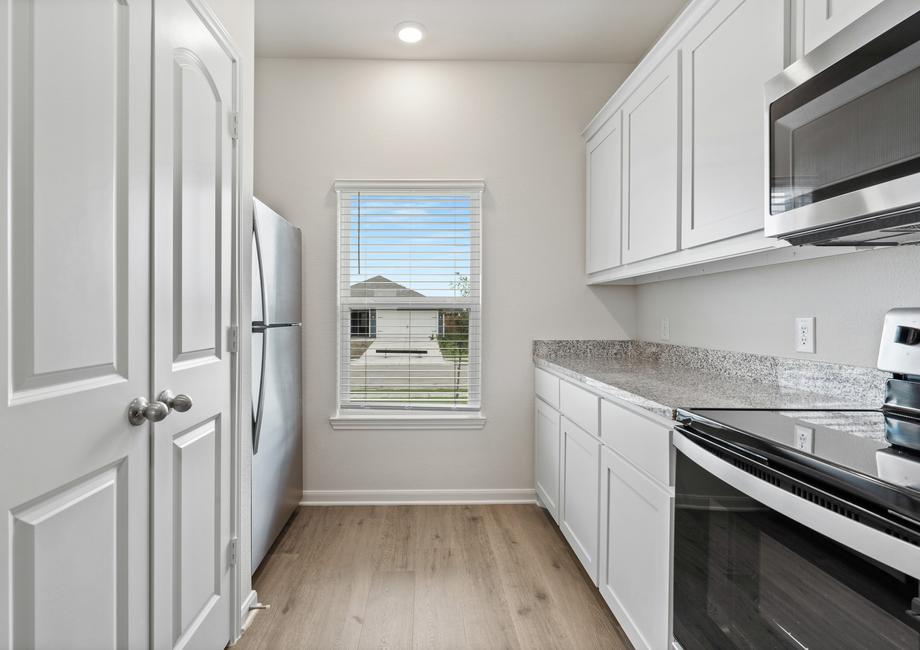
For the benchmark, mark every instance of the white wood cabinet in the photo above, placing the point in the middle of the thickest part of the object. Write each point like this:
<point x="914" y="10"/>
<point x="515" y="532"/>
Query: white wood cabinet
<point x="580" y="473"/>
<point x="651" y="170"/>
<point x="546" y="456"/>
<point x="642" y="439"/>
<point x="580" y="406"/>
<point x="546" y="387"/>
<point x="726" y="58"/>
<point x="612" y="497"/>
<point x="604" y="166"/>
<point x="818" y="20"/>
<point x="635" y="551"/>
<point x="690" y="193"/>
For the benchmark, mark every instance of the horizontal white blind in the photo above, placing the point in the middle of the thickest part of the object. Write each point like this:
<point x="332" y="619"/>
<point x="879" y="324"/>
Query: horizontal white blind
<point x="409" y="298"/>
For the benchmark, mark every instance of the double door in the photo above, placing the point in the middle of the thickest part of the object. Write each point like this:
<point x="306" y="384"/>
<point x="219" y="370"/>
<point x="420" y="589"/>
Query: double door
<point x="115" y="285"/>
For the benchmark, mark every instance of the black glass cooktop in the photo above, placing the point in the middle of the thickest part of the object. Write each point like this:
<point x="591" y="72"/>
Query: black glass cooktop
<point x="848" y="450"/>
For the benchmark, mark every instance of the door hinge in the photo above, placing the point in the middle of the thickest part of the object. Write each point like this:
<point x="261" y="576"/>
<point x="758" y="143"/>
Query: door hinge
<point x="233" y="551"/>
<point x="235" y="125"/>
<point x="233" y="339"/>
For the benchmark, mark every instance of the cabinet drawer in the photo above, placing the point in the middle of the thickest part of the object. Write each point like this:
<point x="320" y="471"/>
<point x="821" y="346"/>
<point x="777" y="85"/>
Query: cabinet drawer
<point x="546" y="387"/>
<point x="580" y="406"/>
<point x="640" y="440"/>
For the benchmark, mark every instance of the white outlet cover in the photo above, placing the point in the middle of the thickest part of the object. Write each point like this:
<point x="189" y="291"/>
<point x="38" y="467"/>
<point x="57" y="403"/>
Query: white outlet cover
<point x="665" y="329"/>
<point x="805" y="438"/>
<point x="805" y="334"/>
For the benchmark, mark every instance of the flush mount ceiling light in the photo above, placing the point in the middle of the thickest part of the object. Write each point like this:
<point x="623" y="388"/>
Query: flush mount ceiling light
<point x="410" y="32"/>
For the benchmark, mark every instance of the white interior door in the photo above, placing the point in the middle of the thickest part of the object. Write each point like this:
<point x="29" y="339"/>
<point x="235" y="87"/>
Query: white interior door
<point x="194" y="203"/>
<point x="74" y="306"/>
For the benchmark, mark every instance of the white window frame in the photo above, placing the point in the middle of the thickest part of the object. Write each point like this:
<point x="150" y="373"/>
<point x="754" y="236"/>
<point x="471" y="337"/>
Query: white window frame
<point x="429" y="418"/>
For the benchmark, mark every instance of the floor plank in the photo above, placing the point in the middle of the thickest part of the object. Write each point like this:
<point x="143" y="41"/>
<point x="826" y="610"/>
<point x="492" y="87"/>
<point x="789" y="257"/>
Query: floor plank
<point x="389" y="613"/>
<point x="424" y="577"/>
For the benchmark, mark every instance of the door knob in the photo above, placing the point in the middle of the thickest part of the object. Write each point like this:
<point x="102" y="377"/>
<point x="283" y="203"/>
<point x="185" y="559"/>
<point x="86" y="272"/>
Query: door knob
<point x="140" y="411"/>
<point x="179" y="402"/>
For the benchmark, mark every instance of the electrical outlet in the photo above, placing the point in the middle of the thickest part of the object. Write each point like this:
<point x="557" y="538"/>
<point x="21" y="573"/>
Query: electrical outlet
<point x="665" y="332"/>
<point x="805" y="438"/>
<point x="805" y="334"/>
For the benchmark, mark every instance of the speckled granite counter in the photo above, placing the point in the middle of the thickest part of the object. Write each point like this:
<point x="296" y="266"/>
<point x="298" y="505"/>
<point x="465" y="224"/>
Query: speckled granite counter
<point x="661" y="378"/>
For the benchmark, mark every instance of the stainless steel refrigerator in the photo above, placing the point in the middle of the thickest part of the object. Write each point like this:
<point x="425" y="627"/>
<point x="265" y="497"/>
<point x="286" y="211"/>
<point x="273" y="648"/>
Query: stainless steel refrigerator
<point x="277" y="396"/>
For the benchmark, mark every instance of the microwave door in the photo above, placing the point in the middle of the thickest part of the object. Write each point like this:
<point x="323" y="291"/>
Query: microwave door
<point x="843" y="135"/>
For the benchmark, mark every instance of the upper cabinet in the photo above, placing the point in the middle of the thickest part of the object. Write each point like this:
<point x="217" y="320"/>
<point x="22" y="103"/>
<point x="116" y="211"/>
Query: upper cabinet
<point x="604" y="199"/>
<point x="651" y="173"/>
<point x="676" y="158"/>
<point x="726" y="58"/>
<point x="818" y="20"/>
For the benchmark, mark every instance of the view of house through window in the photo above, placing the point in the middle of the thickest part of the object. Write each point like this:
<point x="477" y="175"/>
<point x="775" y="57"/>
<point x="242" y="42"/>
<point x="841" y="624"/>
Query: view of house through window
<point x="409" y="297"/>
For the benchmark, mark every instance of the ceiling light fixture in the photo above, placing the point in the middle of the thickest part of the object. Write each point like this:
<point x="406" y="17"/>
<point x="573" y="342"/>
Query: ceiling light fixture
<point x="410" y="32"/>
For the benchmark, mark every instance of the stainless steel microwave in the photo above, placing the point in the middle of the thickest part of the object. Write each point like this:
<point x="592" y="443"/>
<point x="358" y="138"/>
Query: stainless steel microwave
<point x="843" y="136"/>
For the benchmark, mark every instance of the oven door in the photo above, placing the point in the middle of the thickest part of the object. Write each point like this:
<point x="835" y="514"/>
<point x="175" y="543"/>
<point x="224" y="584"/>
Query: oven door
<point x="843" y="129"/>
<point x="755" y="567"/>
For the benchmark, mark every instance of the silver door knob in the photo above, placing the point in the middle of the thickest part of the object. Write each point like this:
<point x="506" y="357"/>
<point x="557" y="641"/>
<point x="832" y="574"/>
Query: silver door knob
<point x="179" y="402"/>
<point x="140" y="411"/>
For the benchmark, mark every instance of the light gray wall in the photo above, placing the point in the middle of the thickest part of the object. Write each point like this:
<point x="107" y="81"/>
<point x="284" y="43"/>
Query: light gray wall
<point x="754" y="310"/>
<point x="514" y="124"/>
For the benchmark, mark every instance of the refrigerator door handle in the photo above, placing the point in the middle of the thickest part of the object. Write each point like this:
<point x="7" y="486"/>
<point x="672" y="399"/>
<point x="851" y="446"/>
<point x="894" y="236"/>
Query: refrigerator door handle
<point x="260" y="402"/>
<point x="261" y="264"/>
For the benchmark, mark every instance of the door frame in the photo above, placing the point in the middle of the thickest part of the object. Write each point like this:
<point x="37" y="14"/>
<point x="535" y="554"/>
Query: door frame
<point x="239" y="246"/>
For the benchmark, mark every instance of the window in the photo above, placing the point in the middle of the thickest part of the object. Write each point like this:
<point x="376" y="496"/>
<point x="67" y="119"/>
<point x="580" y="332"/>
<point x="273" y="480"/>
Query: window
<point x="409" y="297"/>
<point x="363" y="323"/>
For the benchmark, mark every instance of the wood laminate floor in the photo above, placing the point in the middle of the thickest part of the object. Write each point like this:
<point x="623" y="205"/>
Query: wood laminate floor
<point x="498" y="576"/>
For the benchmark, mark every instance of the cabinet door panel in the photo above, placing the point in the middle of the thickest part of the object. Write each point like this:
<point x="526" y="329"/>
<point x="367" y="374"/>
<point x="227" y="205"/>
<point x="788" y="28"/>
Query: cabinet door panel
<point x="726" y="60"/>
<point x="651" y="173"/>
<point x="604" y="163"/>
<point x="579" y="498"/>
<point x="821" y="19"/>
<point x="546" y="456"/>
<point x="635" y="557"/>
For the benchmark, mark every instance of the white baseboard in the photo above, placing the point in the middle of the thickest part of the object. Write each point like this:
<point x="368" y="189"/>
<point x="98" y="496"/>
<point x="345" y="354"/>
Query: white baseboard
<point x="248" y="602"/>
<point x="415" y="497"/>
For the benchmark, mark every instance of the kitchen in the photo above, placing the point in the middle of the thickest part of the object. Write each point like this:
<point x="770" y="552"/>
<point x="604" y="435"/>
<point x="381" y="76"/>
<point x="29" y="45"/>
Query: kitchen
<point x="584" y="324"/>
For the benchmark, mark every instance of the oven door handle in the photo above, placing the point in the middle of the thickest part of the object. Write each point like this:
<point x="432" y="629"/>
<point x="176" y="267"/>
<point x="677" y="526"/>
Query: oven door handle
<point x="885" y="549"/>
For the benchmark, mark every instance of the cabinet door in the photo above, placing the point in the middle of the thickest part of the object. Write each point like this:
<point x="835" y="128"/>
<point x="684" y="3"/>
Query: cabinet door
<point x="651" y="174"/>
<point x="821" y="19"/>
<point x="635" y="559"/>
<point x="726" y="60"/>
<point x="605" y="182"/>
<point x="579" y="496"/>
<point x="546" y="456"/>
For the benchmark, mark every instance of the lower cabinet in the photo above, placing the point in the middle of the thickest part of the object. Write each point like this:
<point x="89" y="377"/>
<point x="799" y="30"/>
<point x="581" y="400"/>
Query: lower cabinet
<point x="546" y="456"/>
<point x="612" y="496"/>
<point x="635" y="551"/>
<point x="579" y="482"/>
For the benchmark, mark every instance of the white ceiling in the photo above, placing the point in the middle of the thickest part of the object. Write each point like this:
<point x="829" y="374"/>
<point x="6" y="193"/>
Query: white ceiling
<point x="498" y="30"/>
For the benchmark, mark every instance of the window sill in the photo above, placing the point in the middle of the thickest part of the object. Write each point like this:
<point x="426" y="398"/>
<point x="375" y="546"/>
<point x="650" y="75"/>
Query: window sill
<point x="415" y="422"/>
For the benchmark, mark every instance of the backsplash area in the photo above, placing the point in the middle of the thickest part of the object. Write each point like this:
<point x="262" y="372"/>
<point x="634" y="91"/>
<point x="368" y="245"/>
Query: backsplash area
<point x="754" y="310"/>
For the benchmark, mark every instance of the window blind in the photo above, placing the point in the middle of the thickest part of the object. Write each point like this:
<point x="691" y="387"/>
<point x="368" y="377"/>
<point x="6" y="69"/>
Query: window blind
<point x="409" y="308"/>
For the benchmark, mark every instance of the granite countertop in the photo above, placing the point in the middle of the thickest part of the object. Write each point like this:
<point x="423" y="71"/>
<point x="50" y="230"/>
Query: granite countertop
<point x="661" y="378"/>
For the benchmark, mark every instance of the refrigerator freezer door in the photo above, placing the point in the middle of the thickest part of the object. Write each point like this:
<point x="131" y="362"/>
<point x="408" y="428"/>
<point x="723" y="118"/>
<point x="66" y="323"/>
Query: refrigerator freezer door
<point x="278" y="244"/>
<point x="277" y="468"/>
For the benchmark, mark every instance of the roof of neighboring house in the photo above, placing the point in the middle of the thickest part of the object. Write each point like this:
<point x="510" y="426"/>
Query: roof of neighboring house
<point x="381" y="287"/>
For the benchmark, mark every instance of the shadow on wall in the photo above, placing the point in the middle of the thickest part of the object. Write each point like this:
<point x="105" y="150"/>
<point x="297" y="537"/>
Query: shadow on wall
<point x="620" y="303"/>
